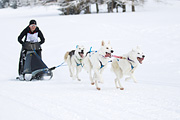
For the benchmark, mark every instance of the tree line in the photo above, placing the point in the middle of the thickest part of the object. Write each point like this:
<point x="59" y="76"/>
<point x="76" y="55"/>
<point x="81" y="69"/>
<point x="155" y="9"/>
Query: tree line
<point x="70" y="7"/>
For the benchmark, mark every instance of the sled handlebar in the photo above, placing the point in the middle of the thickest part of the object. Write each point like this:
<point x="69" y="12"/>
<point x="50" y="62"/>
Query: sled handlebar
<point x="53" y="68"/>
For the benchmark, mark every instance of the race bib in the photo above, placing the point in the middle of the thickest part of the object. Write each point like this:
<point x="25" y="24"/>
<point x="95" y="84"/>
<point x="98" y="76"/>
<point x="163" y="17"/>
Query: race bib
<point x="32" y="37"/>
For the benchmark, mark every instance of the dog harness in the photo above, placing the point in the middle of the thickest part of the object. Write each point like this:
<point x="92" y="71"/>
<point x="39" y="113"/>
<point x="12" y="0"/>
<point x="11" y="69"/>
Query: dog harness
<point x="78" y="64"/>
<point x="92" y="52"/>
<point x="130" y="59"/>
<point x="132" y="67"/>
<point x="130" y="62"/>
<point x="101" y="64"/>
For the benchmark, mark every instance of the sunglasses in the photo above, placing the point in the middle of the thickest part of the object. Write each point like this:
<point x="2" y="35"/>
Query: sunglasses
<point x="33" y="25"/>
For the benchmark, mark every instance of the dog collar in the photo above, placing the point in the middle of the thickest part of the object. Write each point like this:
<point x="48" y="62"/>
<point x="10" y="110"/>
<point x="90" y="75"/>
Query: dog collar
<point x="103" y="56"/>
<point x="79" y="59"/>
<point x="130" y="59"/>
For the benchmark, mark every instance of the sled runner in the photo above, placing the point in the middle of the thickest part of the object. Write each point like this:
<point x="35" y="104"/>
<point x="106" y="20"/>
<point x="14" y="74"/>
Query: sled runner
<point x="31" y="65"/>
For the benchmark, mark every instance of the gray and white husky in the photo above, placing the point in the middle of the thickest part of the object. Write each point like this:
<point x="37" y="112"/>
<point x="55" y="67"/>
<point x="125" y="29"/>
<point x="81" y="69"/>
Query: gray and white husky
<point x="74" y="60"/>
<point x="97" y="61"/>
<point x="127" y="66"/>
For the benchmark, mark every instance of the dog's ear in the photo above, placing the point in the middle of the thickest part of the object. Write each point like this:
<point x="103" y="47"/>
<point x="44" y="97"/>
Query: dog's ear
<point x="109" y="42"/>
<point x="138" y="47"/>
<point x="133" y="49"/>
<point x="103" y="43"/>
<point x="77" y="46"/>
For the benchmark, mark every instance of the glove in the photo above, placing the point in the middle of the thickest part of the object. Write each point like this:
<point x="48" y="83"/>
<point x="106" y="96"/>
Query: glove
<point x="23" y="44"/>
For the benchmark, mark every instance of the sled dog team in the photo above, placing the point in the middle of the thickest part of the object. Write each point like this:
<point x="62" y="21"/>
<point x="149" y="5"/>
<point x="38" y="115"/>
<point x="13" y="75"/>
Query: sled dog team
<point x="97" y="61"/>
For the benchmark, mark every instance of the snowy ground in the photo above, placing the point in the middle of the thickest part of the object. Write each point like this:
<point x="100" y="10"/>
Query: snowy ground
<point x="155" y="27"/>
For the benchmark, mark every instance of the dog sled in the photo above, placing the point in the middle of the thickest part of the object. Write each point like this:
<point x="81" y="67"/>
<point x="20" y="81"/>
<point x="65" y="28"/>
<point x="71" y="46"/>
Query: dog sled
<point x="31" y="65"/>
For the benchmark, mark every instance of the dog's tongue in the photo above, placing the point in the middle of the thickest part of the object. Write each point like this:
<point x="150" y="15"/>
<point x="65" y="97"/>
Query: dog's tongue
<point x="108" y="55"/>
<point x="82" y="55"/>
<point x="140" y="60"/>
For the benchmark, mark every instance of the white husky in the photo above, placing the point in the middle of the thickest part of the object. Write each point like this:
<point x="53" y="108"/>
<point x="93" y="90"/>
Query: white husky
<point x="127" y="66"/>
<point x="97" y="61"/>
<point x="75" y="59"/>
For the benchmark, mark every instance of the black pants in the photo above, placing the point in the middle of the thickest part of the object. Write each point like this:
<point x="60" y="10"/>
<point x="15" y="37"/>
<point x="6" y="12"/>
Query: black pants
<point x="23" y="58"/>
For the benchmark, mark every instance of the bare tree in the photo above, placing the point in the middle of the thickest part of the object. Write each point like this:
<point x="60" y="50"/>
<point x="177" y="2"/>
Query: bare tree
<point x="133" y="7"/>
<point x="97" y="7"/>
<point x="124" y="7"/>
<point x="87" y="11"/>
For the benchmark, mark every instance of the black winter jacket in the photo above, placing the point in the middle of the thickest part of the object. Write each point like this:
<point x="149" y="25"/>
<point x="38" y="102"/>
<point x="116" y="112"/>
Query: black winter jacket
<point x="27" y="30"/>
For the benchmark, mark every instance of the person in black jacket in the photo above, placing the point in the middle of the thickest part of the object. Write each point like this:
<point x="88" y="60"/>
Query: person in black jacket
<point x="31" y="34"/>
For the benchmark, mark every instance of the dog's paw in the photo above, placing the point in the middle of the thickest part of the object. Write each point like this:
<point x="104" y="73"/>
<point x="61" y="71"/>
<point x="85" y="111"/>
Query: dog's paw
<point x="98" y="88"/>
<point x="121" y="88"/>
<point x="92" y="83"/>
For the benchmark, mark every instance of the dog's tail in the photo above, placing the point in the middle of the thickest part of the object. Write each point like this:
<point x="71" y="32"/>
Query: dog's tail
<point x="66" y="56"/>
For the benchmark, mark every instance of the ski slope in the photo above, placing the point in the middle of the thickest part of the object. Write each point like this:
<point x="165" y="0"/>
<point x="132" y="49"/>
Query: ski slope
<point x="154" y="27"/>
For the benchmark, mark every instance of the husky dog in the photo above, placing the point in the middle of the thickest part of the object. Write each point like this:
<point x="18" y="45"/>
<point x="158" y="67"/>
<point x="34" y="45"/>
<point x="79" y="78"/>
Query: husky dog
<point x="127" y="66"/>
<point x="97" y="61"/>
<point x="75" y="59"/>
